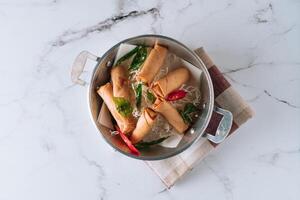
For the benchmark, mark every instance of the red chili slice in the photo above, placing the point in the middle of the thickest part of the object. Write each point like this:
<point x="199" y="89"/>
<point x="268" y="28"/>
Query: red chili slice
<point x="132" y="148"/>
<point x="176" y="95"/>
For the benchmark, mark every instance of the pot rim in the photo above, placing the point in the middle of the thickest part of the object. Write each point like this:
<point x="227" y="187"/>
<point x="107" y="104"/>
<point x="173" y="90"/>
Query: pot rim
<point x="211" y="95"/>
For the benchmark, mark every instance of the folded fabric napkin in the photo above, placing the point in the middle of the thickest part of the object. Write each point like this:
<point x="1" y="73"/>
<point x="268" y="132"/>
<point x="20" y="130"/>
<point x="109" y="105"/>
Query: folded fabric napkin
<point x="171" y="169"/>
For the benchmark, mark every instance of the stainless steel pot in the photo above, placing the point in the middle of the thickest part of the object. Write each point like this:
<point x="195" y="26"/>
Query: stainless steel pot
<point x="100" y="76"/>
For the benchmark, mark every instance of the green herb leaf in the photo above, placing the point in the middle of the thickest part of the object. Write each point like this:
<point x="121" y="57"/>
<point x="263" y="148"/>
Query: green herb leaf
<point x="189" y="108"/>
<point x="150" y="96"/>
<point x="138" y="94"/>
<point x="144" y="145"/>
<point x="123" y="106"/>
<point x="186" y="117"/>
<point x="139" y="58"/>
<point x="127" y="56"/>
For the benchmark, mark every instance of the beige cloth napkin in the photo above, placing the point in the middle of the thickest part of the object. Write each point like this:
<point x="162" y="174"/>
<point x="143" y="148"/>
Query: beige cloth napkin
<point x="171" y="169"/>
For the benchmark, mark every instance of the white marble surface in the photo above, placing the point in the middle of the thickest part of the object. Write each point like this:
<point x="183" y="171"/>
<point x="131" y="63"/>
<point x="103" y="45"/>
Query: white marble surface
<point x="49" y="148"/>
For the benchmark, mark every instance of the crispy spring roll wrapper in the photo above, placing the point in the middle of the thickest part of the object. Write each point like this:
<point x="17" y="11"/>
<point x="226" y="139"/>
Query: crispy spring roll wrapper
<point x="152" y="64"/>
<point x="144" y="125"/>
<point x="126" y="124"/>
<point x="170" y="82"/>
<point x="170" y="114"/>
<point x="119" y="77"/>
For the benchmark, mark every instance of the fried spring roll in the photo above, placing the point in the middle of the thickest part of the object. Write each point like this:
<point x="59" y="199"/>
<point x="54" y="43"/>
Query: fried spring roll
<point x="152" y="64"/>
<point x="144" y="125"/>
<point x="170" y="82"/>
<point x="126" y="124"/>
<point x="119" y="77"/>
<point x="170" y="114"/>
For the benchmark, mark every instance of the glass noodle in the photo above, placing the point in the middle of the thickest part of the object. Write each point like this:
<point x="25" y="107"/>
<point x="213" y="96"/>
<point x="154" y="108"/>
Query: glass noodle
<point x="134" y="60"/>
<point x="161" y="128"/>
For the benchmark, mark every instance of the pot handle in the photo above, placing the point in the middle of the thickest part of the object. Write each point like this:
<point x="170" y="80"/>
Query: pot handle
<point x="223" y="127"/>
<point x="79" y="64"/>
